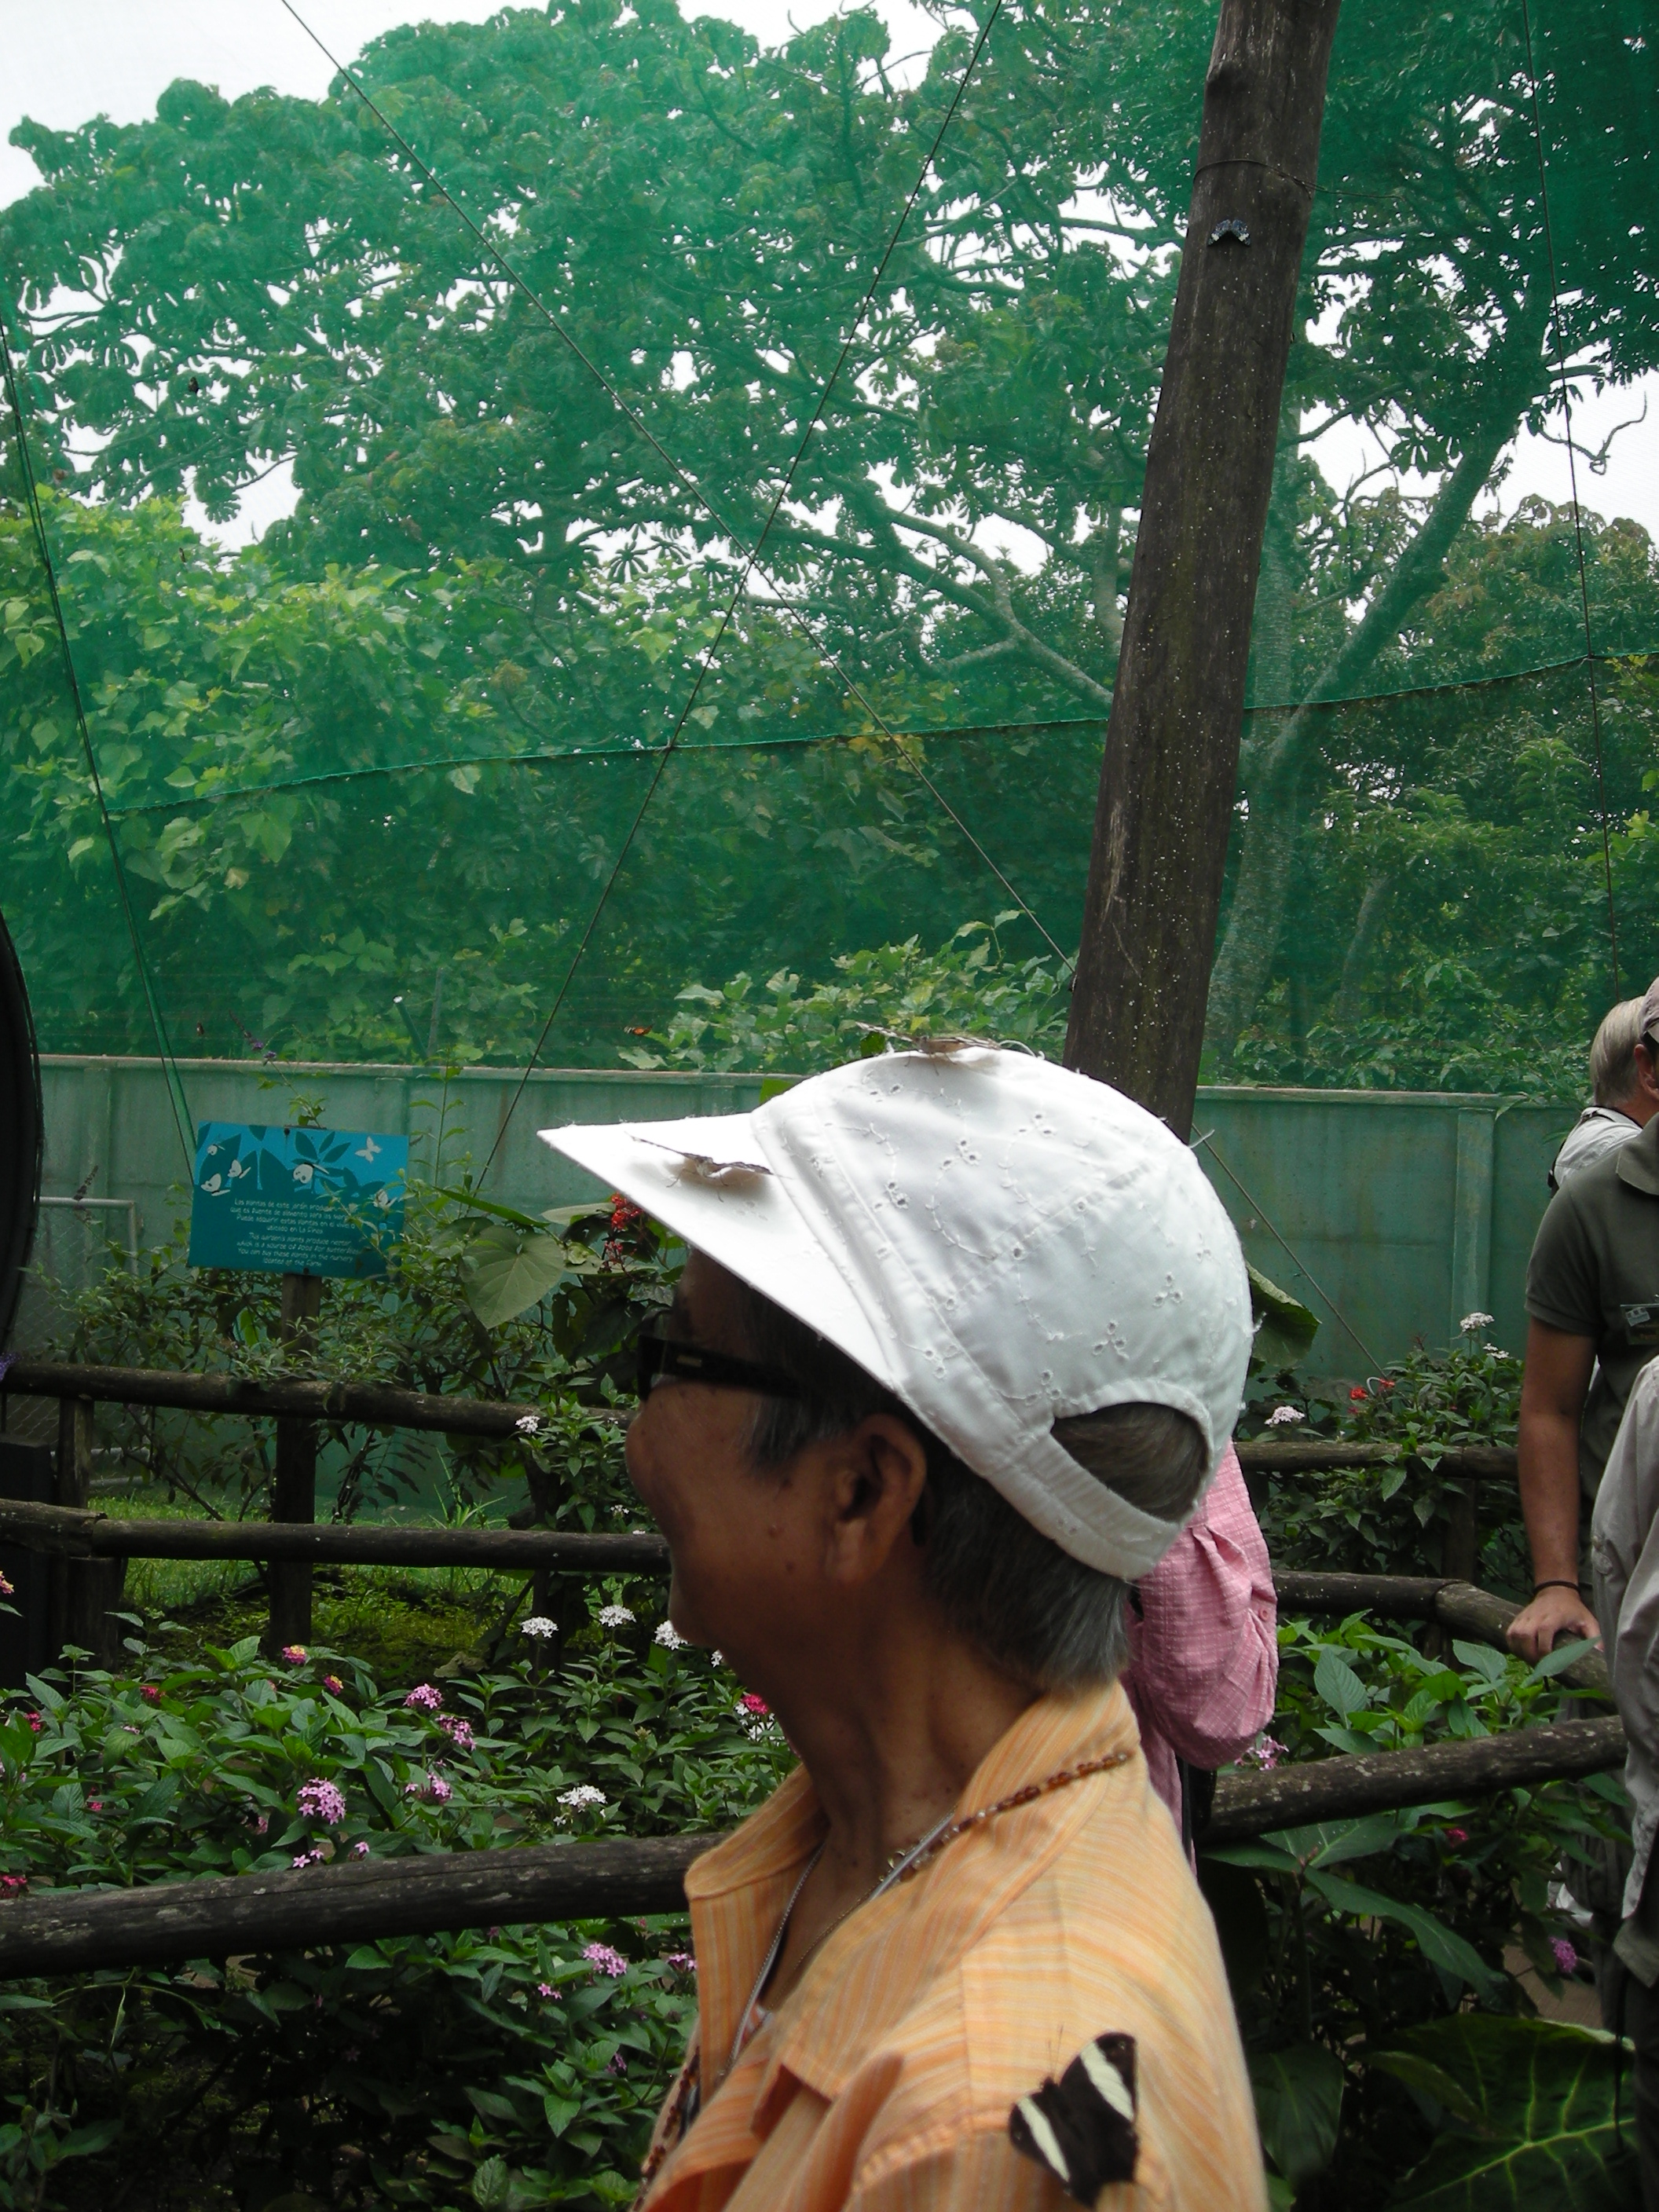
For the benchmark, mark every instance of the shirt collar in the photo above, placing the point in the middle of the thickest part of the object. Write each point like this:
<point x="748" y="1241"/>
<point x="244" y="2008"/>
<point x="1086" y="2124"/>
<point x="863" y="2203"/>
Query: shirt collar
<point x="823" y="2034"/>
<point x="1638" y="1161"/>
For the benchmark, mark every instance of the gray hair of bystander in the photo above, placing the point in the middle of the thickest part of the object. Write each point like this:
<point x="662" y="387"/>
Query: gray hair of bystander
<point x="1613" y="1054"/>
<point x="1025" y="1604"/>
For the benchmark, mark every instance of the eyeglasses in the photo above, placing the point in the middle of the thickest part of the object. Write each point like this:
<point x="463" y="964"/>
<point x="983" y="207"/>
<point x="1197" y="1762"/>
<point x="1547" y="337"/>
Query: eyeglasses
<point x="660" y="1355"/>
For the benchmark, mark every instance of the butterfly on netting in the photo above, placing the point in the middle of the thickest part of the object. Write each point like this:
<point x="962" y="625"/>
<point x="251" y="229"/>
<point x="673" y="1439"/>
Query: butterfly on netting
<point x="1082" y="2127"/>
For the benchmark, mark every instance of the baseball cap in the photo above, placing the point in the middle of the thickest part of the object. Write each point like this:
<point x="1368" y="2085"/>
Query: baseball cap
<point x="1649" y="1021"/>
<point x="999" y="1242"/>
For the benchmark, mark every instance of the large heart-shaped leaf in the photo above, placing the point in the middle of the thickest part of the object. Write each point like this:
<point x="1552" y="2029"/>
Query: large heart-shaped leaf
<point x="1284" y="1327"/>
<point x="1298" y="2107"/>
<point x="508" y="1272"/>
<point x="1532" y="2122"/>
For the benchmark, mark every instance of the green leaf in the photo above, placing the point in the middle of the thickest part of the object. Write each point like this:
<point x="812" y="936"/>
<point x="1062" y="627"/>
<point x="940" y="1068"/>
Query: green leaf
<point x="1480" y="1659"/>
<point x="1442" y="1946"/>
<point x="1284" y="1327"/>
<point x="508" y="1273"/>
<point x="1543" y="2096"/>
<point x="1340" y="1686"/>
<point x="1562" y="1655"/>
<point x="1298" y="2107"/>
<point x="491" y="2185"/>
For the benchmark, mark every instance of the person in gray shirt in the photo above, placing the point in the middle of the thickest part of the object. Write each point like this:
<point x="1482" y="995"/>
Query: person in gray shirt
<point x="1593" y="1322"/>
<point x="1622" y="1108"/>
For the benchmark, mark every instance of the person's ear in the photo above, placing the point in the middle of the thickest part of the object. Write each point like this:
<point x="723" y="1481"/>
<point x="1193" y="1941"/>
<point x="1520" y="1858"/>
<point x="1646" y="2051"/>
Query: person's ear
<point x="878" y="1476"/>
<point x="1647" y="1071"/>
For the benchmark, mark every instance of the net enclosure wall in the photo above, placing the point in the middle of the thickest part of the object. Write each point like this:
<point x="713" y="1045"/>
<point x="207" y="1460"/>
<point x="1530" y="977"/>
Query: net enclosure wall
<point x="701" y="481"/>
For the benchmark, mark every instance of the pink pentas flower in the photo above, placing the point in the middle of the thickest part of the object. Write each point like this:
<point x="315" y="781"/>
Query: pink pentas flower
<point x="604" y="1960"/>
<point x="1455" y="1835"/>
<point x="94" y="1804"/>
<point x="13" y="1885"/>
<point x="750" y="1703"/>
<point x="1266" y="1753"/>
<point x="6" y="1589"/>
<point x="460" y="1732"/>
<point x="307" y="1858"/>
<point x="682" y="1962"/>
<point x="618" y="2064"/>
<point x="321" y="1801"/>
<point x="35" y="1723"/>
<point x="296" y="1654"/>
<point x="435" y="1789"/>
<point x="1566" y="1957"/>
<point x="425" y="1698"/>
<point x="151" y="1694"/>
<point x="359" y="1849"/>
<point x="547" y="1990"/>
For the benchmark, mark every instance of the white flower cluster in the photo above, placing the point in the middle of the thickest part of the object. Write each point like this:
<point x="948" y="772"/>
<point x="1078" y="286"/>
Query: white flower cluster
<point x="615" y="1616"/>
<point x="1285" y="1417"/>
<point x="582" y="1797"/>
<point x="669" y="1636"/>
<point x="538" y="1627"/>
<point x="1472" y="1321"/>
<point x="527" y="1424"/>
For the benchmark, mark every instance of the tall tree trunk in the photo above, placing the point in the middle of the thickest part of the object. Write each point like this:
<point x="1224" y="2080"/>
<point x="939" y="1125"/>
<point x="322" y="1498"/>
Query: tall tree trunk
<point x="1255" y="919"/>
<point x="1167" y="784"/>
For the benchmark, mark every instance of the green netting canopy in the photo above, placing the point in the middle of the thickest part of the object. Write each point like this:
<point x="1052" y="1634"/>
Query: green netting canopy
<point x="561" y="529"/>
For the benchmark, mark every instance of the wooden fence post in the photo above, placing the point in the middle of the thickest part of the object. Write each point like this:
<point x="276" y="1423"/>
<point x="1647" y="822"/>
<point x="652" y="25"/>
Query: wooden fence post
<point x="84" y="1592"/>
<point x="294" y="1488"/>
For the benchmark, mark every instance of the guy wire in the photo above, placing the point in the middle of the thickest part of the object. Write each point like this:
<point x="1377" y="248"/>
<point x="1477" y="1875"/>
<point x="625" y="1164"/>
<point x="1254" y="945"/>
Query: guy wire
<point x="175" y="1087"/>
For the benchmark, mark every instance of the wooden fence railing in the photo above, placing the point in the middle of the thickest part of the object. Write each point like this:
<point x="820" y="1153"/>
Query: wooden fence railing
<point x="61" y="1931"/>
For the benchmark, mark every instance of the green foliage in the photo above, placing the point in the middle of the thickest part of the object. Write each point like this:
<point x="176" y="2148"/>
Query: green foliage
<point x="1341" y="1937"/>
<point x="564" y="1347"/>
<point x="1526" y="2113"/>
<point x="970" y="986"/>
<point x="412" y="2071"/>
<point x="1388" y="1520"/>
<point x="394" y="756"/>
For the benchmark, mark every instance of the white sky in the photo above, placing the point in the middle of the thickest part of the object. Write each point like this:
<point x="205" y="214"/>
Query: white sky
<point x="69" y="60"/>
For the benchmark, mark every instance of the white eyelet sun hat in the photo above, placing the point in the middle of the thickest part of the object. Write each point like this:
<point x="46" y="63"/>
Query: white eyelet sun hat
<point x="999" y="1242"/>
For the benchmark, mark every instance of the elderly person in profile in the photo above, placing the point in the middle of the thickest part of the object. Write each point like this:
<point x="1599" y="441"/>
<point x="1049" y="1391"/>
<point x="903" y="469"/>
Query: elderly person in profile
<point x="958" y="1348"/>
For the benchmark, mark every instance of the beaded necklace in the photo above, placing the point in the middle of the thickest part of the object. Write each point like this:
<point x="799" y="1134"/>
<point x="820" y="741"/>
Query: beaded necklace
<point x="684" y="2102"/>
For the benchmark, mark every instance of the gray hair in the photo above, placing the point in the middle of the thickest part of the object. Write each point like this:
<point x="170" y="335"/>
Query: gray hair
<point x="1032" y="1610"/>
<point x="1613" y="1055"/>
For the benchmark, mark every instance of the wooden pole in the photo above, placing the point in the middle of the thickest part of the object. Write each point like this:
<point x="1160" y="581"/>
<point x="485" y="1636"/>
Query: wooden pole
<point x="293" y="1486"/>
<point x="1167" y="785"/>
<point x="84" y="1592"/>
<point x="67" y="1931"/>
<point x="375" y="1405"/>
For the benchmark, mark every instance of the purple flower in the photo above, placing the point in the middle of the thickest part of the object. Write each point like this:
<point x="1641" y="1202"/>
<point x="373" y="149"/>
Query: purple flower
<point x="1566" y="1957"/>
<point x="618" y="2063"/>
<point x="307" y="1858"/>
<point x="435" y="1789"/>
<point x="604" y="1960"/>
<point x="425" y="1698"/>
<point x="321" y="1801"/>
<point x="547" y="1990"/>
<point x="1455" y="1835"/>
<point x="359" y="1849"/>
<point x="460" y="1732"/>
<point x="682" y="1962"/>
<point x="1266" y="1753"/>
<point x="333" y="1685"/>
<point x="294" y="1653"/>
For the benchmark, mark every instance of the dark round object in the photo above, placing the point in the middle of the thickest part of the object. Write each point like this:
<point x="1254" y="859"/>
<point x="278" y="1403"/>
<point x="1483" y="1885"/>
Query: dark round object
<point x="21" y="1130"/>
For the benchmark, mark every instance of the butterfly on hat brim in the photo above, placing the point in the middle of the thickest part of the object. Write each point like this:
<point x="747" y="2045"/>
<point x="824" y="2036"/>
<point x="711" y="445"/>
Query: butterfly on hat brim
<point x="1082" y="2127"/>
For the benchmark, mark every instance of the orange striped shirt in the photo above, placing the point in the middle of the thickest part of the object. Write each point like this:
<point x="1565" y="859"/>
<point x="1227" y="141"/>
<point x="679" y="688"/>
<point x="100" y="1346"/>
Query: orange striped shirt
<point x="884" y="2081"/>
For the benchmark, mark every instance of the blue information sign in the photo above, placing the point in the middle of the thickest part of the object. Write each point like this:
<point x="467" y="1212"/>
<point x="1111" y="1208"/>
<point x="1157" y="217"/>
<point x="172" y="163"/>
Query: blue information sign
<point x="297" y="1201"/>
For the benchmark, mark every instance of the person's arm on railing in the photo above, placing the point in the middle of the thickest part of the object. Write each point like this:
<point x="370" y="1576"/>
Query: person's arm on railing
<point x="1554" y="1387"/>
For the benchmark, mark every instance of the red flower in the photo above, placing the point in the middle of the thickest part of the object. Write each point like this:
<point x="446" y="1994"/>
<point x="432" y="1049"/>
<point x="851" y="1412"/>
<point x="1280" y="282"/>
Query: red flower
<point x="1455" y="1835"/>
<point x="751" y="1704"/>
<point x="1358" y="1391"/>
<point x="151" y="1694"/>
